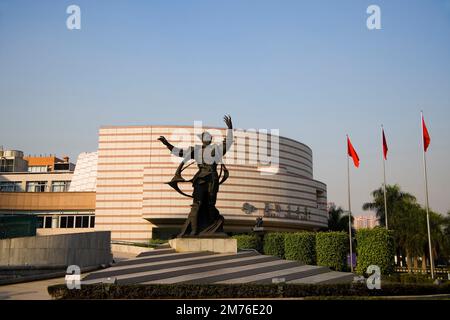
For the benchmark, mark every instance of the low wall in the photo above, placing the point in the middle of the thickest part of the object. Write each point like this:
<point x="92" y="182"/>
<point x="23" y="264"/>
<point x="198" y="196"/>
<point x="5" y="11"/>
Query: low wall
<point x="122" y="248"/>
<point x="55" y="231"/>
<point x="82" y="249"/>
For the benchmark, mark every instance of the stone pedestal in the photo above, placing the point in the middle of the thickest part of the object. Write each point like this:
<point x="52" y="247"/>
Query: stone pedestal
<point x="216" y="245"/>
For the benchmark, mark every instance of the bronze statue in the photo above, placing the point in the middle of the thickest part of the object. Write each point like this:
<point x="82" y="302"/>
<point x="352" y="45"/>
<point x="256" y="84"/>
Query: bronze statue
<point x="204" y="219"/>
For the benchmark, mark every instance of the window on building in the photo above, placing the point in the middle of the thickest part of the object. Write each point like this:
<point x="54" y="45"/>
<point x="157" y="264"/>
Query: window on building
<point x="47" y="222"/>
<point x="70" y="221"/>
<point x="39" y="222"/>
<point x="44" y="222"/>
<point x="63" y="222"/>
<point x="62" y="167"/>
<point x="36" y="186"/>
<point x="60" y="186"/>
<point x="10" y="186"/>
<point x="6" y="165"/>
<point x="78" y="221"/>
<point x="85" y="223"/>
<point x="38" y="169"/>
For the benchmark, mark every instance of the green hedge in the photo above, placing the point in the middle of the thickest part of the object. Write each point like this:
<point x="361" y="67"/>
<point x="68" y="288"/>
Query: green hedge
<point x="408" y="278"/>
<point x="211" y="291"/>
<point x="332" y="250"/>
<point x="246" y="241"/>
<point x="300" y="246"/>
<point x="274" y="244"/>
<point x="375" y="247"/>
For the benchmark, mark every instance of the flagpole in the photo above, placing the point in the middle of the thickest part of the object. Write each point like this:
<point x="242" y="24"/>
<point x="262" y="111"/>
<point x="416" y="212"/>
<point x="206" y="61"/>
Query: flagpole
<point x="349" y="210"/>
<point x="426" y="197"/>
<point x="384" y="176"/>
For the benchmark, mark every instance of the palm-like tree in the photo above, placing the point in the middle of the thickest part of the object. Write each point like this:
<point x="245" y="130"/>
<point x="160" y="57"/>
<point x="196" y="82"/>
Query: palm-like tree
<point x="338" y="220"/>
<point x="440" y="240"/>
<point x="395" y="198"/>
<point x="408" y="221"/>
<point x="446" y="232"/>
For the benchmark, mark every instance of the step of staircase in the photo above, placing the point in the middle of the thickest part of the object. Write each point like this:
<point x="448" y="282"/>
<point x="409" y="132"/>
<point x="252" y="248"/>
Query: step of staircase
<point x="297" y="272"/>
<point x="331" y="277"/>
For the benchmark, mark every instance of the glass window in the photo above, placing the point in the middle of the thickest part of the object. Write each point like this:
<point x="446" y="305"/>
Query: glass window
<point x="38" y="169"/>
<point x="78" y="221"/>
<point x="60" y="186"/>
<point x="36" y="186"/>
<point x="10" y="186"/>
<point x="63" y="222"/>
<point x="40" y="222"/>
<point x="85" y="221"/>
<point x="61" y="167"/>
<point x="48" y="222"/>
<point x="6" y="165"/>
<point x="70" y="221"/>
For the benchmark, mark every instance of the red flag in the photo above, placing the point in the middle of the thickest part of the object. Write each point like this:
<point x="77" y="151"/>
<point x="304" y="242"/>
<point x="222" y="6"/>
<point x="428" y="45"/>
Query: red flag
<point x="426" y="135"/>
<point x="385" y="146"/>
<point x="352" y="152"/>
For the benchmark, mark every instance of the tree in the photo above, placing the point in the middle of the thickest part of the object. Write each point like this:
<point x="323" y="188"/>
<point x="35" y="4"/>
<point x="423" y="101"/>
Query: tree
<point x="395" y="199"/>
<point x="440" y="240"/>
<point x="408" y="220"/>
<point x="338" y="220"/>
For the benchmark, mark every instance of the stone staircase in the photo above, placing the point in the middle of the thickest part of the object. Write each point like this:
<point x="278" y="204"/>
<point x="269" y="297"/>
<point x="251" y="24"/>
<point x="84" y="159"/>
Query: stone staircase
<point x="167" y="266"/>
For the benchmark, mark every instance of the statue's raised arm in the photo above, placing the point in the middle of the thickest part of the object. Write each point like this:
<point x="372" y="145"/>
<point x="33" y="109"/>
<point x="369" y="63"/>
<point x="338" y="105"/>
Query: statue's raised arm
<point x="228" y="141"/>
<point x="174" y="150"/>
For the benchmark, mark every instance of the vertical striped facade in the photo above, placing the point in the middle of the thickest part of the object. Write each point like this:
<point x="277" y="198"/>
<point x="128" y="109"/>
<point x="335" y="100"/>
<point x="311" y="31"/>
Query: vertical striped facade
<point x="132" y="197"/>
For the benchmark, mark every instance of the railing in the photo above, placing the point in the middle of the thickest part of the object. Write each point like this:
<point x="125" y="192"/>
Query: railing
<point x="438" y="271"/>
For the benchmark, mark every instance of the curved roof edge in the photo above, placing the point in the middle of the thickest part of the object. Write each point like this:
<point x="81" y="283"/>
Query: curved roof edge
<point x="186" y="126"/>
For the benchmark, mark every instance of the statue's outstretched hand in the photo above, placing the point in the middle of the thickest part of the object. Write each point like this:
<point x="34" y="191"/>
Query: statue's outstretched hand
<point x="227" y="120"/>
<point x="163" y="140"/>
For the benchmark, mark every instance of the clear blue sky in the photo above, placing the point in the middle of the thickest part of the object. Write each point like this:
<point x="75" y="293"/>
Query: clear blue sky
<point x="310" y="68"/>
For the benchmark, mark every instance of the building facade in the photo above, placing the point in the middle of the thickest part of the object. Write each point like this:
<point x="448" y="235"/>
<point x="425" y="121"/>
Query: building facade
<point x="12" y="161"/>
<point x="39" y="186"/>
<point x="365" y="222"/>
<point x="123" y="186"/>
<point x="134" y="201"/>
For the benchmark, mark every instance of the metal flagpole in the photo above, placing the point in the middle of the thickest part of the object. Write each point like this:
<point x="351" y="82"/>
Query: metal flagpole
<point x="349" y="211"/>
<point x="426" y="197"/>
<point x="384" y="184"/>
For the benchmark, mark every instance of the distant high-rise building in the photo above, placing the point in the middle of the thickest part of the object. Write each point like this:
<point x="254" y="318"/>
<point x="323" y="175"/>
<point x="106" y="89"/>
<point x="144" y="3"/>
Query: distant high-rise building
<point x="365" y="222"/>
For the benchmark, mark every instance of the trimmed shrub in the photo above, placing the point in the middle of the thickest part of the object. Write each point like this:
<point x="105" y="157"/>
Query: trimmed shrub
<point x="274" y="244"/>
<point x="247" y="290"/>
<point x="408" y="278"/>
<point x="248" y="241"/>
<point x="300" y="246"/>
<point x="332" y="249"/>
<point x="375" y="247"/>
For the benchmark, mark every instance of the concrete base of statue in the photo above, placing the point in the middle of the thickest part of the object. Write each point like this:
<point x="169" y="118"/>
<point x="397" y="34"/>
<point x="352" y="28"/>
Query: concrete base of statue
<point x="195" y="244"/>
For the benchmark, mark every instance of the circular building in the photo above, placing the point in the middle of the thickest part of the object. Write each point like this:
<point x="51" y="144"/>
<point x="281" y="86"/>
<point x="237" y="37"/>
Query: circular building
<point x="269" y="176"/>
